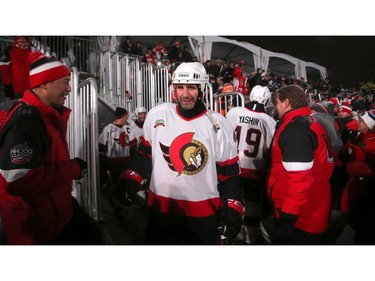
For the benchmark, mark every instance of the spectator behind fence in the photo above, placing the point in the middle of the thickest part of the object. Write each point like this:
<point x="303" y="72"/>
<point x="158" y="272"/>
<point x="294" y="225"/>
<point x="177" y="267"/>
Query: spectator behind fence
<point x="175" y="54"/>
<point x="138" y="49"/>
<point x="127" y="46"/>
<point x="228" y="74"/>
<point x="160" y="51"/>
<point x="194" y="196"/>
<point x="149" y="57"/>
<point x="298" y="183"/>
<point x="186" y="55"/>
<point x="36" y="204"/>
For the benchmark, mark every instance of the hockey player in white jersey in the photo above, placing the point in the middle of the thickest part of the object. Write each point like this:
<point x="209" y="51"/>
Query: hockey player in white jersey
<point x="254" y="129"/>
<point x="115" y="144"/>
<point x="137" y="125"/>
<point x="194" y="195"/>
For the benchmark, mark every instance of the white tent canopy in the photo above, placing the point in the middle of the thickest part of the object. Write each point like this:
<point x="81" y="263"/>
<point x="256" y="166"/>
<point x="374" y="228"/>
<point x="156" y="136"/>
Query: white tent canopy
<point x="211" y="47"/>
<point x="218" y="47"/>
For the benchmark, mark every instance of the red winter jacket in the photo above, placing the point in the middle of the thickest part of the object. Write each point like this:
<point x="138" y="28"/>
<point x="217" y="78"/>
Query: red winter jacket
<point x="298" y="182"/>
<point x="36" y="173"/>
<point x="360" y="170"/>
<point x="20" y="69"/>
<point x="5" y="73"/>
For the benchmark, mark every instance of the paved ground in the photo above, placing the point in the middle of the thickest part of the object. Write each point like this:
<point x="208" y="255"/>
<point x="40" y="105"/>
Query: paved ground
<point x="128" y="227"/>
<point x="124" y="228"/>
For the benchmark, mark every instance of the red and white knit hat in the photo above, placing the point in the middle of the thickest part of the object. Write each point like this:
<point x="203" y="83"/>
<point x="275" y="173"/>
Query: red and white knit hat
<point x="45" y="69"/>
<point x="369" y="118"/>
<point x="345" y="107"/>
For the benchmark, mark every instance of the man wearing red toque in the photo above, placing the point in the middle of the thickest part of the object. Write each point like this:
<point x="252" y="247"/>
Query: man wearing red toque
<point x="36" y="171"/>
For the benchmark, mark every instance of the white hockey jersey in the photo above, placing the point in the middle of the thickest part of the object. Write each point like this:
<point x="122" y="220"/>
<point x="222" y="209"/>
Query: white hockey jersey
<point x="186" y="154"/>
<point x="117" y="139"/>
<point x="254" y="131"/>
<point x="136" y="130"/>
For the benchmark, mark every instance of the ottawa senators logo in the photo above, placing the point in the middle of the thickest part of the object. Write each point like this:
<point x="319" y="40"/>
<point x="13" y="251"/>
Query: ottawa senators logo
<point x="185" y="155"/>
<point x="123" y="139"/>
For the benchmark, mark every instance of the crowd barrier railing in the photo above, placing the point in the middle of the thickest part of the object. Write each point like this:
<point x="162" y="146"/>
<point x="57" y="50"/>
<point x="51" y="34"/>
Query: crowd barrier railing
<point x="223" y="102"/>
<point x="83" y="140"/>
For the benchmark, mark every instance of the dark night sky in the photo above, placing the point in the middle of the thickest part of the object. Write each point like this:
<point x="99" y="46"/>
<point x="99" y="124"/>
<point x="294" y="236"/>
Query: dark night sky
<point x="349" y="60"/>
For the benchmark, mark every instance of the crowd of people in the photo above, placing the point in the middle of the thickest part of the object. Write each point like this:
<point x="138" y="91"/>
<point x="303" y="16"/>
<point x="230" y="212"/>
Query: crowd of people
<point x="291" y="167"/>
<point x="268" y="172"/>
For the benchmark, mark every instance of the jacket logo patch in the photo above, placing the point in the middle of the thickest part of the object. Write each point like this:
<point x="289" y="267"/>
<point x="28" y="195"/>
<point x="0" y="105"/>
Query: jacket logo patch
<point x="159" y="122"/>
<point x="21" y="154"/>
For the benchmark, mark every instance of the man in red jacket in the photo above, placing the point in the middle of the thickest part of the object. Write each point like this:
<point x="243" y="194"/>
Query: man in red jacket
<point x="36" y="171"/>
<point x="298" y="183"/>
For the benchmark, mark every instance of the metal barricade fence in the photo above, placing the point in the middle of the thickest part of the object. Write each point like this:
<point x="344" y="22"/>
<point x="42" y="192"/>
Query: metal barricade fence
<point x="83" y="140"/>
<point x="155" y="86"/>
<point x="224" y="101"/>
<point x="119" y="73"/>
<point x="148" y="85"/>
<point x="76" y="49"/>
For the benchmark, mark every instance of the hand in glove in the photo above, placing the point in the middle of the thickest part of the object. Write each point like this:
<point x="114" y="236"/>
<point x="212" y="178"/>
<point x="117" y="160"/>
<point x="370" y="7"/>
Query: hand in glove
<point x="285" y="227"/>
<point x="229" y="224"/>
<point x="83" y="166"/>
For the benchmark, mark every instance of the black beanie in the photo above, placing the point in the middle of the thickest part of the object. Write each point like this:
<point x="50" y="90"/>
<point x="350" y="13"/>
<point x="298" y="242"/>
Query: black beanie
<point x="120" y="112"/>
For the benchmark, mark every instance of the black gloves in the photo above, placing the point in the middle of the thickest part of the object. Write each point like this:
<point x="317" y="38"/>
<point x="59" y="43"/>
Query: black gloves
<point x="229" y="224"/>
<point x="285" y="228"/>
<point x="83" y="166"/>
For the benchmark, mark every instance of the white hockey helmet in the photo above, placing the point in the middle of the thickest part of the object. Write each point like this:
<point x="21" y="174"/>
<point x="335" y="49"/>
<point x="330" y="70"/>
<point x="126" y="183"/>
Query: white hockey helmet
<point x="191" y="73"/>
<point x="260" y="94"/>
<point x="140" y="109"/>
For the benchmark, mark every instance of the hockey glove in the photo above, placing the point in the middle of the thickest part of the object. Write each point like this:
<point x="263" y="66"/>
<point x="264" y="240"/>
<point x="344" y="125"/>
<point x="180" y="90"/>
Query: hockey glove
<point x="285" y="227"/>
<point x="229" y="221"/>
<point x="83" y="167"/>
<point x="127" y="187"/>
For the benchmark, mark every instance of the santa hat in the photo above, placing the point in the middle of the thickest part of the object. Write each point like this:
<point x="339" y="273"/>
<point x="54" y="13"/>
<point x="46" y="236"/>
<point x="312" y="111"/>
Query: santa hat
<point x="369" y="118"/>
<point x="120" y="112"/>
<point x="45" y="69"/>
<point x="346" y="108"/>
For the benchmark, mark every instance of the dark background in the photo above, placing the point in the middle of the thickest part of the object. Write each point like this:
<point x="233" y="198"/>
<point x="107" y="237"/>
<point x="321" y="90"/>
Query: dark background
<point x="349" y="60"/>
